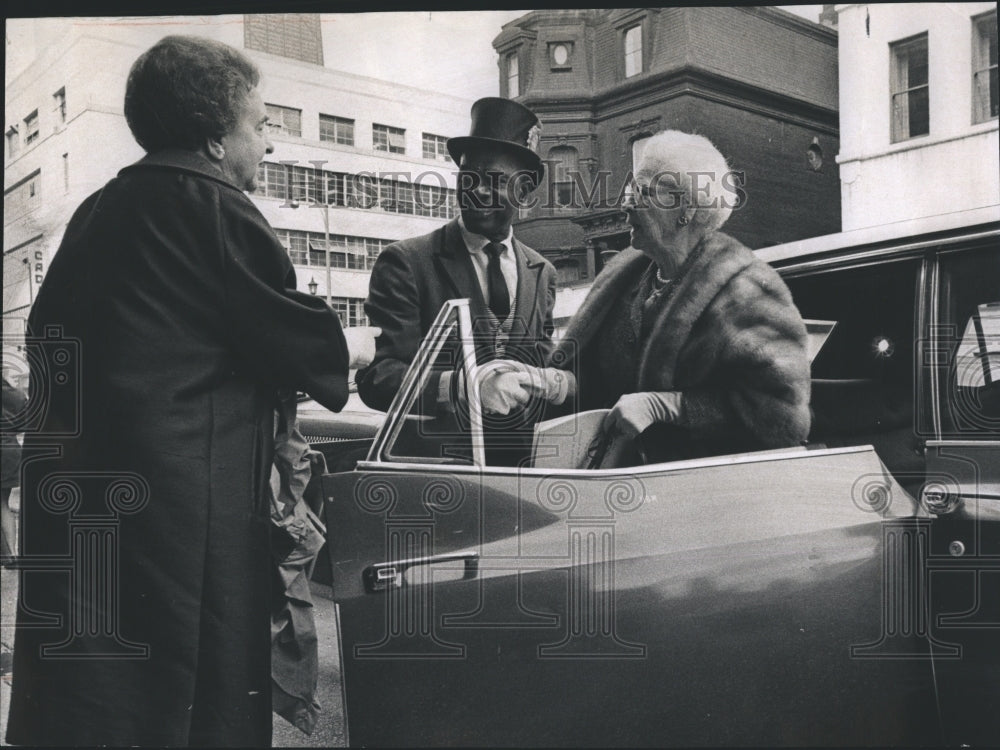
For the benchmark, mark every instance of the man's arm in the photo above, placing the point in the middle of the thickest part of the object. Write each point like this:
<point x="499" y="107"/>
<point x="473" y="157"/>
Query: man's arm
<point x="393" y="304"/>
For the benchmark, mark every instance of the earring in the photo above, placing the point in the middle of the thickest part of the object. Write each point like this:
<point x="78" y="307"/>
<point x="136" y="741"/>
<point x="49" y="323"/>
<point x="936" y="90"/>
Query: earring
<point x="683" y="221"/>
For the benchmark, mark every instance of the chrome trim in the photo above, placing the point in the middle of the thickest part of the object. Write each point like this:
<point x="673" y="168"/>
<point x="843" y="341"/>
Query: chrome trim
<point x="407" y="392"/>
<point x="852" y="259"/>
<point x="409" y="389"/>
<point x="673" y="466"/>
<point x="932" y="338"/>
<point x="472" y="394"/>
<point x="965" y="443"/>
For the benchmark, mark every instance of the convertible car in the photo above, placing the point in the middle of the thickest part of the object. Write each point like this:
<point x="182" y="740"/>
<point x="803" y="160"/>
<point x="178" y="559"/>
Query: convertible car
<point x="845" y="592"/>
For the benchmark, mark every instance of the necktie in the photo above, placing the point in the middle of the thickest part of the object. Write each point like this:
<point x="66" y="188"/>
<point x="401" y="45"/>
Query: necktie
<point x="496" y="284"/>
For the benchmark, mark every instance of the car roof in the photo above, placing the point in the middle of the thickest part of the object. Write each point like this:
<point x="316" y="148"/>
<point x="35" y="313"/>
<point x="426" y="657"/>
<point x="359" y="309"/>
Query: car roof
<point x="896" y="237"/>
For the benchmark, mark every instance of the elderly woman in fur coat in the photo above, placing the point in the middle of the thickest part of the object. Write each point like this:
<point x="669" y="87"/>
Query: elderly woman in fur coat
<point x="691" y="339"/>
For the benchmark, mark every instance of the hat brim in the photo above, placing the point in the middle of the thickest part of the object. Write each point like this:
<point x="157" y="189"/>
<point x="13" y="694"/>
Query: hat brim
<point x="532" y="161"/>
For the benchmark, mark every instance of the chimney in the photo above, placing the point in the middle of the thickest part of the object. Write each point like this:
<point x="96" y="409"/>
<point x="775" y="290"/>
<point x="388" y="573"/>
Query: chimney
<point x="828" y="16"/>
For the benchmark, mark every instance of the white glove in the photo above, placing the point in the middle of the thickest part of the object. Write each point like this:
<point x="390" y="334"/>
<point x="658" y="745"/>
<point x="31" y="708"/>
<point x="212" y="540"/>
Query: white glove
<point x="501" y="385"/>
<point x="361" y="344"/>
<point x="549" y="383"/>
<point x="634" y="412"/>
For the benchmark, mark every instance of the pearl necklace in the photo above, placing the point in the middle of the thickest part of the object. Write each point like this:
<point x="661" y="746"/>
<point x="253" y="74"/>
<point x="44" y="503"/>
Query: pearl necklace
<point x="660" y="279"/>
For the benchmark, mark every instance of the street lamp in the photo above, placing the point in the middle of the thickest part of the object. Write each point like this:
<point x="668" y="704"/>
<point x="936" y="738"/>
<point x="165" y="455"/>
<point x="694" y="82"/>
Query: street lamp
<point x="312" y="286"/>
<point x="326" y="241"/>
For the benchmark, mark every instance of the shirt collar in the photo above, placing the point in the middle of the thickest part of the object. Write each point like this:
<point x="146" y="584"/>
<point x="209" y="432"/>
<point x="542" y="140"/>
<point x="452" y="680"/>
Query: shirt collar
<point x="477" y="243"/>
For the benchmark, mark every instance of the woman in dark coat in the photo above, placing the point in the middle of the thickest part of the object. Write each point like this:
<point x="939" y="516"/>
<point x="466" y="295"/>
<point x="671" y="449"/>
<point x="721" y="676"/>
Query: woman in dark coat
<point x="691" y="339"/>
<point x="14" y="401"/>
<point x="166" y="323"/>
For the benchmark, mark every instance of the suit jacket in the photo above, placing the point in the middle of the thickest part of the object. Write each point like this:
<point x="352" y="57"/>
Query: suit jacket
<point x="179" y="321"/>
<point x="413" y="278"/>
<point x="729" y="338"/>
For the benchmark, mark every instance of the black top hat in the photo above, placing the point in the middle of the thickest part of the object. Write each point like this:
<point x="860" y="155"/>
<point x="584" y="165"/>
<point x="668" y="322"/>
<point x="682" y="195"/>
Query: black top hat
<point x="505" y="125"/>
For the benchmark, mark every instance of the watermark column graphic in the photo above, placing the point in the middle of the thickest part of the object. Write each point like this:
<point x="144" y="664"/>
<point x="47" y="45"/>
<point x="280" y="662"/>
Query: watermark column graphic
<point x="905" y="622"/>
<point x="405" y="578"/>
<point x="591" y="625"/>
<point x="969" y="544"/>
<point x="53" y="416"/>
<point x="92" y="563"/>
<point x="906" y="597"/>
<point x="500" y="605"/>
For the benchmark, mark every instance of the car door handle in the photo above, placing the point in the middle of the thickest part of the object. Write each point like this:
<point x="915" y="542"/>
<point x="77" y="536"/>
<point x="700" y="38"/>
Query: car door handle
<point x="388" y="575"/>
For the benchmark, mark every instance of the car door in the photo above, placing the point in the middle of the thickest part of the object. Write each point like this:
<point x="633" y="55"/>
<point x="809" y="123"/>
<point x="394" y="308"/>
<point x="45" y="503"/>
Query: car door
<point x="961" y="369"/>
<point x="766" y="598"/>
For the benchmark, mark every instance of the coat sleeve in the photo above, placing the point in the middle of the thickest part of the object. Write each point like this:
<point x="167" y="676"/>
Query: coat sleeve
<point x="282" y="336"/>
<point x="394" y="305"/>
<point x="759" y="391"/>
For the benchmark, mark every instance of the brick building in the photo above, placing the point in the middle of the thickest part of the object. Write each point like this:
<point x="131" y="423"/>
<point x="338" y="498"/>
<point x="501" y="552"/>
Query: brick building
<point x="759" y="82"/>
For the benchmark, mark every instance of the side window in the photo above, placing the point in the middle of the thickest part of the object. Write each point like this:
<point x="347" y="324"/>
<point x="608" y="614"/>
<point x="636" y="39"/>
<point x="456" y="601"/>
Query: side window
<point x="422" y="430"/>
<point x="968" y="344"/>
<point x="861" y="326"/>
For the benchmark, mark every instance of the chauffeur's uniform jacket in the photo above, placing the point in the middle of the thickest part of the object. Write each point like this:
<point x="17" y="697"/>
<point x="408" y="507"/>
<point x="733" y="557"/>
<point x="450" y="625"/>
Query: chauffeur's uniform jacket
<point x="410" y="282"/>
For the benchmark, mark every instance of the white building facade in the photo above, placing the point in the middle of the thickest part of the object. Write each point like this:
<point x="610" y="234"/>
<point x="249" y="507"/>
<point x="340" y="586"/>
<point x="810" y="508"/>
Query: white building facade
<point x="370" y="150"/>
<point x="918" y="111"/>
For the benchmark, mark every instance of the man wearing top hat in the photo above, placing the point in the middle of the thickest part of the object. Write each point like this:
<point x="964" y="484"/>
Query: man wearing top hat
<point x="511" y="287"/>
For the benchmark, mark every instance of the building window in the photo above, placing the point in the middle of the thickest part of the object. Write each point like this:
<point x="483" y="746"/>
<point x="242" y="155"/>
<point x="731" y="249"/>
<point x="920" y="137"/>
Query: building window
<point x="560" y="54"/>
<point x="633" y="51"/>
<point x="567" y="271"/>
<point x="295" y="35"/>
<point x="513" y="76"/>
<point x="436" y="147"/>
<point x="365" y="191"/>
<point x="31" y="128"/>
<point x="59" y="104"/>
<point x="336" y="130"/>
<point x="352" y="253"/>
<point x="350" y="310"/>
<point x="272" y="180"/>
<point x="385" y="138"/>
<point x="563" y="165"/>
<point x="22" y="196"/>
<point x="285" y="120"/>
<point x="65" y="163"/>
<point x="13" y="142"/>
<point x="910" y="91"/>
<point x="435" y="202"/>
<point x="984" y="65"/>
<point x="306" y="188"/>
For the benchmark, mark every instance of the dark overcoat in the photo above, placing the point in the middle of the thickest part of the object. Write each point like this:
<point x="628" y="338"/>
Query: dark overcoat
<point x="410" y="282"/>
<point x="729" y="338"/>
<point x="166" y="322"/>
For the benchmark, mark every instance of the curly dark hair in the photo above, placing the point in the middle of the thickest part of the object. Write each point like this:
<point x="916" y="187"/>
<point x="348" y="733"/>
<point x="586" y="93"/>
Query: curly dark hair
<point x="184" y="89"/>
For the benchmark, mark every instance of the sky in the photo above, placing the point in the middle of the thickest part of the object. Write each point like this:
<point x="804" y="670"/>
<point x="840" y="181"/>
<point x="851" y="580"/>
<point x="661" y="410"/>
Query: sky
<point x="443" y="50"/>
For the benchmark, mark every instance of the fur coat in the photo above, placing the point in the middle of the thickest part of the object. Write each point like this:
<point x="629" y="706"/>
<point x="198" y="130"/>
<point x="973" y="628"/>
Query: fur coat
<point x="729" y="338"/>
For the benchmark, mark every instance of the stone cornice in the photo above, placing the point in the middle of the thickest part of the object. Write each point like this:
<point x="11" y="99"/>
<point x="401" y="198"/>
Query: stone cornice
<point x="659" y="86"/>
<point x="602" y="223"/>
<point x="510" y="38"/>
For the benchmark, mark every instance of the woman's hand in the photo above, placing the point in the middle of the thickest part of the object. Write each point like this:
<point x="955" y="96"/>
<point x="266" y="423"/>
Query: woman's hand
<point x="634" y="412"/>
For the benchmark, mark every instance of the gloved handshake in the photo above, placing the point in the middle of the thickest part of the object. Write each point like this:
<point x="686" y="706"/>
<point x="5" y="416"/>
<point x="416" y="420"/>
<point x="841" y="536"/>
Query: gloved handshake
<point x="505" y="385"/>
